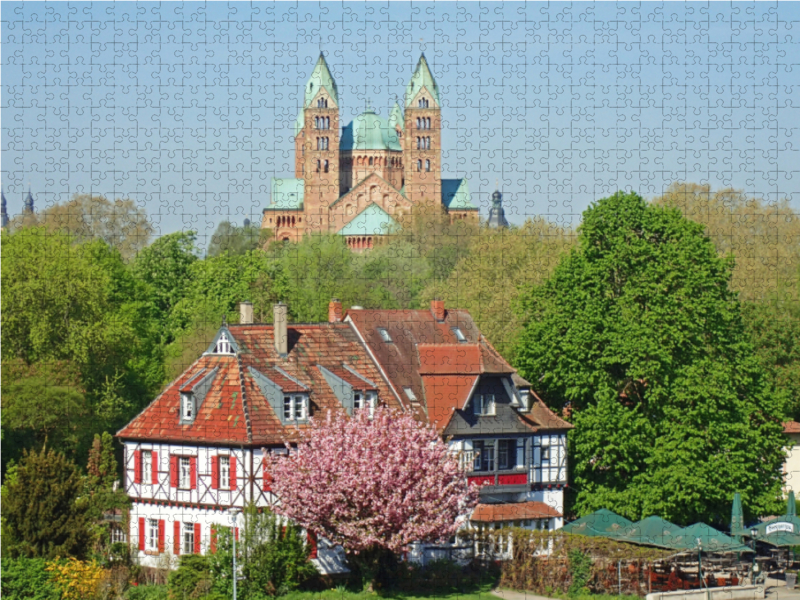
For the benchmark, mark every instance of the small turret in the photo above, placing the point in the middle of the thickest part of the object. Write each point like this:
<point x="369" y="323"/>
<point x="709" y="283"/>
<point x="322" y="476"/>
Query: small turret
<point x="497" y="216"/>
<point x="3" y="210"/>
<point x="28" y="207"/>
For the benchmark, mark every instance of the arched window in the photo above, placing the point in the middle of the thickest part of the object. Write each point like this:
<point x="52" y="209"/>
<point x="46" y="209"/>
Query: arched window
<point x="419" y="143"/>
<point x="326" y="166"/>
<point x="371" y="161"/>
<point x="427" y="165"/>
<point x="419" y="165"/>
<point x="318" y="166"/>
<point x="223" y="345"/>
<point x="428" y="143"/>
<point x="292" y="221"/>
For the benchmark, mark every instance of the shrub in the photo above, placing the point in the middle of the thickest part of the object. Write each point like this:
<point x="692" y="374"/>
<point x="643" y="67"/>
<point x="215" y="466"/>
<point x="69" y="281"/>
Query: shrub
<point x="580" y="569"/>
<point x="192" y="578"/>
<point x="147" y="592"/>
<point x="26" y="579"/>
<point x="77" y="580"/>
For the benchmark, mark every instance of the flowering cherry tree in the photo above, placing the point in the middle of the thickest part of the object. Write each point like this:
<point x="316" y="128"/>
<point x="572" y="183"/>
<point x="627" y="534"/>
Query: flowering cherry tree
<point x="373" y="484"/>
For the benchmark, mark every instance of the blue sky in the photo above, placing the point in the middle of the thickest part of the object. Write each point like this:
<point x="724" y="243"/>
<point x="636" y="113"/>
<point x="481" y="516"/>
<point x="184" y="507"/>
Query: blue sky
<point x="188" y="107"/>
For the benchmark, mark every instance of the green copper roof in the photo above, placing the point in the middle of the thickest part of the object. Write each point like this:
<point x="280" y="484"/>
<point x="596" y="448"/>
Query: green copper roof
<point x="287" y="194"/>
<point x="396" y="117"/>
<point x="456" y="196"/>
<point x="368" y="131"/>
<point x="422" y="77"/>
<point x="373" y="220"/>
<point x="321" y="77"/>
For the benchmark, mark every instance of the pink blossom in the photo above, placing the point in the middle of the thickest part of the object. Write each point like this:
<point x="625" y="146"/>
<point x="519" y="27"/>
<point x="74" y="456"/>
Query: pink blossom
<point x="364" y="483"/>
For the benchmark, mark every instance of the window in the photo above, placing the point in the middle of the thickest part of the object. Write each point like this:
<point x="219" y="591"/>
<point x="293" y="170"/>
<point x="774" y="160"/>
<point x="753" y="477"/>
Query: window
<point x="295" y="407"/>
<point x="484" y="455"/>
<point x="384" y="335"/>
<point x="419" y="165"/>
<point x="322" y="103"/>
<point x="484" y="404"/>
<point x="147" y="466"/>
<point x="423" y="103"/>
<point x="187" y="406"/>
<point x="188" y="538"/>
<point x="365" y="400"/>
<point x="223" y="345"/>
<point x="225" y="472"/>
<point x="118" y="534"/>
<point x="326" y="166"/>
<point x="459" y="334"/>
<point x="152" y="535"/>
<point x="184" y="473"/>
<point x="427" y="165"/>
<point x="506" y="454"/>
<point x="319" y="166"/>
<point x="410" y="394"/>
<point x="545" y="452"/>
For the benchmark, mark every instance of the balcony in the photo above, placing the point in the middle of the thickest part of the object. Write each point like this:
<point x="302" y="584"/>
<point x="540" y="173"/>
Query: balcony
<point x="500" y="481"/>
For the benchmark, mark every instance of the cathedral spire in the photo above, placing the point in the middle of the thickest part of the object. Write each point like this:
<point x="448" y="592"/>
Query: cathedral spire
<point x="321" y="78"/>
<point x="28" y="207"/>
<point x="497" y="216"/>
<point x="422" y="77"/>
<point x="3" y="210"/>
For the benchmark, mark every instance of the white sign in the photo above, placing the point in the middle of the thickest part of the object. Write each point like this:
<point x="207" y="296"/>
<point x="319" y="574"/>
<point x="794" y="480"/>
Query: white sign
<point x="789" y="527"/>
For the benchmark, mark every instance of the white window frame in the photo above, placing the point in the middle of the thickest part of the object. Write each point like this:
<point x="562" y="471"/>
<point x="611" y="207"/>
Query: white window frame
<point x="187" y="406"/>
<point x="384" y="333"/>
<point x="295" y="407"/>
<point x="225" y="472"/>
<point x="184" y="473"/>
<point x="484" y="456"/>
<point x="484" y="405"/>
<point x="545" y="453"/>
<point x="151" y="544"/>
<point x="187" y="538"/>
<point x="410" y="394"/>
<point x="365" y="400"/>
<point x="459" y="335"/>
<point x="118" y="535"/>
<point x="147" y="465"/>
<point x="223" y="345"/>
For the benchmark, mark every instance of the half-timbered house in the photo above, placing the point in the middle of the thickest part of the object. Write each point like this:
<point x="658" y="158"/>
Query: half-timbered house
<point x="197" y="450"/>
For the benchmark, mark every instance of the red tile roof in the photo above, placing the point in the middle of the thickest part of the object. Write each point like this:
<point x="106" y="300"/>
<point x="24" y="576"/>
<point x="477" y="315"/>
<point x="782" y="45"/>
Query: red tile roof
<point x="235" y="398"/>
<point x="791" y="427"/>
<point x="446" y="359"/>
<point x="493" y="513"/>
<point x="445" y="393"/>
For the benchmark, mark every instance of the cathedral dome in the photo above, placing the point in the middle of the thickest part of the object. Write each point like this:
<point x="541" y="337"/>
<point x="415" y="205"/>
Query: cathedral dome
<point x="369" y="131"/>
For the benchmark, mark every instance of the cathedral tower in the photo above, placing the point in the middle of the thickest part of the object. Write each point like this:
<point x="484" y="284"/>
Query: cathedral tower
<point x="422" y="138"/>
<point x="318" y="156"/>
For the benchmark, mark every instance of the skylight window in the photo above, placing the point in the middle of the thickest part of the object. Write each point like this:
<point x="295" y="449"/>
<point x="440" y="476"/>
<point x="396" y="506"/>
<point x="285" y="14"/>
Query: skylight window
<point x="410" y="394"/>
<point x="459" y="335"/>
<point x="384" y="335"/>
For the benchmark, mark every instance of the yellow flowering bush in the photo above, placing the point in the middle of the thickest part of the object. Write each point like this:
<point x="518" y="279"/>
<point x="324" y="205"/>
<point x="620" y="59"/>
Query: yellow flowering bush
<point x="75" y="579"/>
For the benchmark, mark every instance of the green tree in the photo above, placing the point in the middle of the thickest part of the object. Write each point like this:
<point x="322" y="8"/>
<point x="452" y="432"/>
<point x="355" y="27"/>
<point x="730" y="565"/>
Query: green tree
<point x="637" y="329"/>
<point x="27" y="579"/>
<point x="192" y="579"/>
<point x="119" y="223"/>
<point x="43" y="516"/>
<point x="101" y="474"/>
<point x="499" y="265"/>
<point x="237" y="240"/>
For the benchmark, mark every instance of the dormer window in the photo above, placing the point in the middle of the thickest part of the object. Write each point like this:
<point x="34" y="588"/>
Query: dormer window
<point x="366" y="400"/>
<point x="223" y="345"/>
<point x="484" y="404"/>
<point x="384" y="335"/>
<point x="187" y="406"/>
<point x="459" y="335"/>
<point x="525" y="398"/>
<point x="295" y="407"/>
<point x="410" y="394"/>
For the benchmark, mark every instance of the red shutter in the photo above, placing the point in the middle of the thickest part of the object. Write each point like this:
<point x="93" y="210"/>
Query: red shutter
<point x="233" y="472"/>
<point x="215" y="472"/>
<point x="197" y="538"/>
<point x="137" y="466"/>
<point x="155" y="467"/>
<point x="160" y="536"/>
<point x="212" y="543"/>
<point x="312" y="543"/>
<point x="141" y="534"/>
<point x="193" y="472"/>
<point x="173" y="471"/>
<point x="176" y="541"/>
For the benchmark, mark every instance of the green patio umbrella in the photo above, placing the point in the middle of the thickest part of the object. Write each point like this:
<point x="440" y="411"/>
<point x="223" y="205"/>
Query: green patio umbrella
<point x="783" y="531"/>
<point x="704" y="536"/>
<point x="653" y="531"/>
<point x="603" y="523"/>
<point x="737" y="516"/>
<point x="791" y="507"/>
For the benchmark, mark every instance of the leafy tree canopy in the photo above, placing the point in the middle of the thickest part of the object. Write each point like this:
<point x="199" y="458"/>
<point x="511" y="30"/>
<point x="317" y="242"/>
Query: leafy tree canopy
<point x="637" y="329"/>
<point x="237" y="240"/>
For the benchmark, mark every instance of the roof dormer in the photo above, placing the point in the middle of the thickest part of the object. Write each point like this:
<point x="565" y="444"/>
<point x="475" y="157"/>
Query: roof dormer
<point x="351" y="388"/>
<point x="224" y="343"/>
<point x="288" y="397"/>
<point x="193" y="392"/>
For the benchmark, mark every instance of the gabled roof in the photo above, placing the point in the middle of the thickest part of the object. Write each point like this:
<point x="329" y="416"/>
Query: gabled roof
<point x="373" y="220"/>
<point x="456" y="196"/>
<point x="320" y="78"/>
<point x="492" y="513"/>
<point x="236" y="409"/>
<point x="287" y="194"/>
<point x="422" y="77"/>
<point x="369" y="131"/>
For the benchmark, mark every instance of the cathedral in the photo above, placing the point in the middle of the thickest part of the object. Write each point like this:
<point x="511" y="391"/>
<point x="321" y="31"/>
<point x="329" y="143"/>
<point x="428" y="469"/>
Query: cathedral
<point x="357" y="179"/>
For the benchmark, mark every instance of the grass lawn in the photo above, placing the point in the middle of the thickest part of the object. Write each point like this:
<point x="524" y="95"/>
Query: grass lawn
<point x="481" y="593"/>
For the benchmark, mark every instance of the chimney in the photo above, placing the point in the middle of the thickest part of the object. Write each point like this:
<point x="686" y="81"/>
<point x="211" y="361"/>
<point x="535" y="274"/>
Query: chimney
<point x="245" y="313"/>
<point x="335" y="311"/>
<point x="279" y="329"/>
<point x="437" y="308"/>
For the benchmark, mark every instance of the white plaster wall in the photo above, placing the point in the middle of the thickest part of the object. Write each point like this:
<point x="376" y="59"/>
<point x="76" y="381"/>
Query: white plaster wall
<point x="791" y="467"/>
